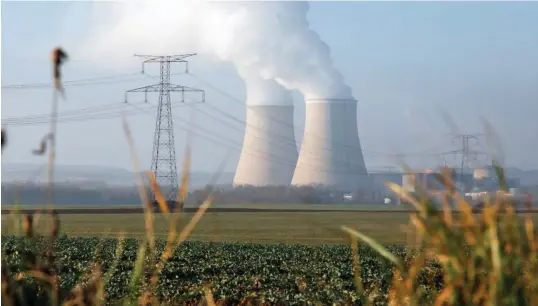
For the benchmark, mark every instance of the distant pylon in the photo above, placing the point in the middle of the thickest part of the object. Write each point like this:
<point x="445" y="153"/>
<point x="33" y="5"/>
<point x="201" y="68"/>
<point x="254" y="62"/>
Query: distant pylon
<point x="163" y="162"/>
<point x="467" y="154"/>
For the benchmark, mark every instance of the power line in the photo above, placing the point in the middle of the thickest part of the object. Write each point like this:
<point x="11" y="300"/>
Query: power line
<point x="41" y="119"/>
<point x="138" y="109"/>
<point x="289" y="141"/>
<point x="237" y="145"/>
<point x="111" y="79"/>
<point x="96" y="113"/>
<point x="295" y="127"/>
<point x="118" y="78"/>
<point x="79" y="118"/>
<point x="228" y="143"/>
<point x="74" y="112"/>
<point x="114" y="110"/>
<point x="220" y="140"/>
<point x="69" y="83"/>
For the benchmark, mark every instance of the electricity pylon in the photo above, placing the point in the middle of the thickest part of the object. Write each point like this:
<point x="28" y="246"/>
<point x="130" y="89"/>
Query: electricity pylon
<point x="163" y="162"/>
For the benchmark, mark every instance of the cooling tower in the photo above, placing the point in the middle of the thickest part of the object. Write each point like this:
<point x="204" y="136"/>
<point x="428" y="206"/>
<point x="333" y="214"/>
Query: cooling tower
<point x="331" y="153"/>
<point x="269" y="152"/>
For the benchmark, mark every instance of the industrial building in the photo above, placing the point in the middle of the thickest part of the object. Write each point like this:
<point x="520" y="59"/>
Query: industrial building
<point x="432" y="180"/>
<point x="331" y="153"/>
<point x="269" y="153"/>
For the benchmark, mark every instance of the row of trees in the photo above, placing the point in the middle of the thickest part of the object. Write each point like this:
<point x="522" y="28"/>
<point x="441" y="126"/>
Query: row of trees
<point x="270" y="195"/>
<point x="32" y="194"/>
<point x="77" y="195"/>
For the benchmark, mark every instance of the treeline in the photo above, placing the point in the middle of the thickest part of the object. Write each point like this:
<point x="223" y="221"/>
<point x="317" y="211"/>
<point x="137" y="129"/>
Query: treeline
<point x="77" y="195"/>
<point x="282" y="195"/>
<point x="31" y="194"/>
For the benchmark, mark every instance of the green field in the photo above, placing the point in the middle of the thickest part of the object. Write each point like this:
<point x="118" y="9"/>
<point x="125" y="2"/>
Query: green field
<point x="316" y="227"/>
<point x="236" y="206"/>
<point x="267" y="274"/>
<point x="281" y="227"/>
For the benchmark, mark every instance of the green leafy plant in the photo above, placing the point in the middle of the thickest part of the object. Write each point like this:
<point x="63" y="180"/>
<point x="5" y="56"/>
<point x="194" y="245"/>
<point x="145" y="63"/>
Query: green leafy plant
<point x="231" y="272"/>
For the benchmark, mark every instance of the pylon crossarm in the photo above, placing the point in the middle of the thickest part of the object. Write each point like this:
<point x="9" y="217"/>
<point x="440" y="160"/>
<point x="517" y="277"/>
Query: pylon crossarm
<point x="145" y="90"/>
<point x="150" y="88"/>
<point x="149" y="57"/>
<point x="165" y="58"/>
<point x="184" y="89"/>
<point x="160" y="57"/>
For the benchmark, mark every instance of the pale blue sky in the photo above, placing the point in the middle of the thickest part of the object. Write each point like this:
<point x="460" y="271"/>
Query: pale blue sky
<point x="404" y="62"/>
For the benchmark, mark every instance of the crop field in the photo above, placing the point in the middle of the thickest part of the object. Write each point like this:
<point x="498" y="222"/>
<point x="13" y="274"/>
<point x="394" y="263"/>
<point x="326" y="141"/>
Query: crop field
<point x="258" y="227"/>
<point x="276" y="274"/>
<point x="282" y="258"/>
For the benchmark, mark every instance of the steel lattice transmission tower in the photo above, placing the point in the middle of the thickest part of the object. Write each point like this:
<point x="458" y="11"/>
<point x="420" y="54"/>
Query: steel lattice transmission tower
<point x="467" y="154"/>
<point x="163" y="162"/>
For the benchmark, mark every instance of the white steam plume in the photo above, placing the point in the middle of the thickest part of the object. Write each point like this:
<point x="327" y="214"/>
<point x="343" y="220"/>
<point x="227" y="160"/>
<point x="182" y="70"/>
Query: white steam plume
<point x="269" y="39"/>
<point x="261" y="91"/>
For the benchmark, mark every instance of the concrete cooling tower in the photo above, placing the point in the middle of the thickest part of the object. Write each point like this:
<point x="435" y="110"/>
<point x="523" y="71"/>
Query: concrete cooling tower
<point x="269" y="152"/>
<point x="331" y="153"/>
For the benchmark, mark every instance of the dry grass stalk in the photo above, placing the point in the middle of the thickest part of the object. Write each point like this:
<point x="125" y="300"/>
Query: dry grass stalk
<point x="209" y="296"/>
<point x="146" y="204"/>
<point x="190" y="226"/>
<point x="356" y="265"/>
<point x="173" y="240"/>
<point x="43" y="145"/>
<point x="58" y="56"/>
<point x="184" y="186"/>
<point x="93" y="293"/>
<point x="3" y="139"/>
<point x="489" y="259"/>
<point x="375" y="245"/>
<point x="163" y="205"/>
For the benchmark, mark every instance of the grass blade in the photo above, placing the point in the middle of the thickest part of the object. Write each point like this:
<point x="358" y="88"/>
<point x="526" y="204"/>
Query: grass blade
<point x="148" y="216"/>
<point x="119" y="251"/>
<point x="199" y="213"/>
<point x="184" y="187"/>
<point x="501" y="177"/>
<point x="138" y="268"/>
<point x="403" y="194"/>
<point x="356" y="266"/>
<point x="375" y="245"/>
<point x="209" y="296"/>
<point x="157" y="191"/>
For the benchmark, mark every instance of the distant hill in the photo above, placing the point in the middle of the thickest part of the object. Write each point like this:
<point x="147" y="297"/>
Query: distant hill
<point x="93" y="175"/>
